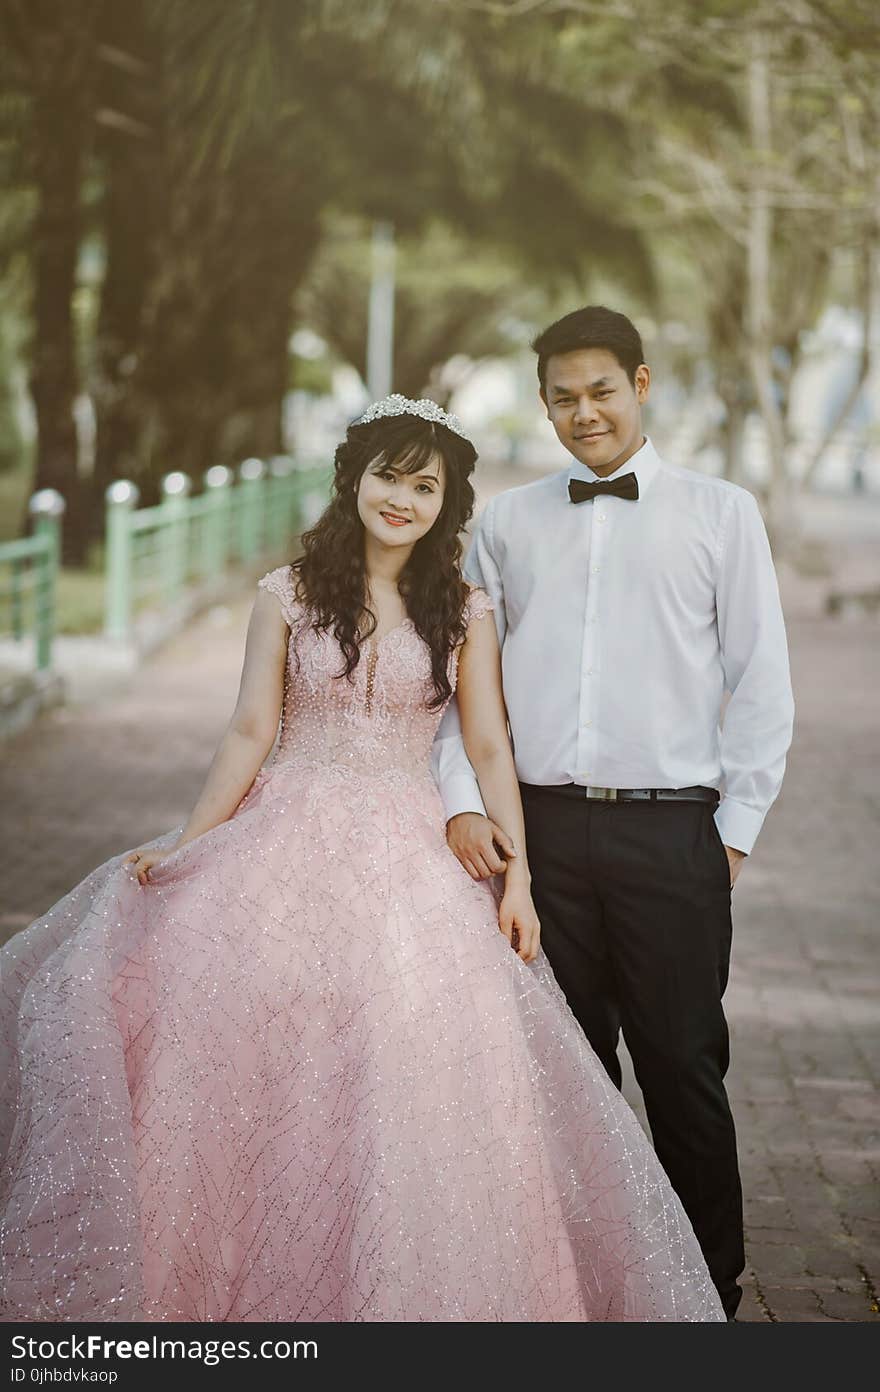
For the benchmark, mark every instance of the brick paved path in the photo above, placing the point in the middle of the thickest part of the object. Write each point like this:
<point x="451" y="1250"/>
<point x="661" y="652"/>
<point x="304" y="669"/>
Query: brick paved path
<point x="803" y="999"/>
<point x="83" y="785"/>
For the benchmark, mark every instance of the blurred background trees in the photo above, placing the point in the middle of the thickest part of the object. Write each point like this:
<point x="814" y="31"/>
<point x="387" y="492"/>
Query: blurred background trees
<point x="190" y="182"/>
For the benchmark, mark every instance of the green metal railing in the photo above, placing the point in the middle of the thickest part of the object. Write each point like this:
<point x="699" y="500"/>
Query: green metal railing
<point x="28" y="576"/>
<point x="154" y="554"/>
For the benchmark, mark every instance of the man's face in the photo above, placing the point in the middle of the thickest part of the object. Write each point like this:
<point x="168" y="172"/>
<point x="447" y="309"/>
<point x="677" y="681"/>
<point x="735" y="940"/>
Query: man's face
<point x="595" y="409"/>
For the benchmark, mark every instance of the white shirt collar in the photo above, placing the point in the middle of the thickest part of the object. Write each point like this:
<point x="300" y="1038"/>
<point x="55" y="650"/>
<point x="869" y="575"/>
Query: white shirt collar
<point x="644" y="464"/>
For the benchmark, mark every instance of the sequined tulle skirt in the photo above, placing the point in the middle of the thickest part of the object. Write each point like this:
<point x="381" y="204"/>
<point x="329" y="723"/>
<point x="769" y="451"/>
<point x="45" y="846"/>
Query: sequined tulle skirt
<point x="301" y="1076"/>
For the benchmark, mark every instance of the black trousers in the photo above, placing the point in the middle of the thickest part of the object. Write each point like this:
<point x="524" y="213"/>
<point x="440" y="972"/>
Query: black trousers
<point x="634" y="903"/>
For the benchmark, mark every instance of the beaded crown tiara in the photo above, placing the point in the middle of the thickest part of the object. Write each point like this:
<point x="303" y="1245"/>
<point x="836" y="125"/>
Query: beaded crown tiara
<point x="397" y="405"/>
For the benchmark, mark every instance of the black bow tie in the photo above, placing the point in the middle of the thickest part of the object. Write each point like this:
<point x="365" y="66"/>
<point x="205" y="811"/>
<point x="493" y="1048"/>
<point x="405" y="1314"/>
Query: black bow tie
<point x="625" y="487"/>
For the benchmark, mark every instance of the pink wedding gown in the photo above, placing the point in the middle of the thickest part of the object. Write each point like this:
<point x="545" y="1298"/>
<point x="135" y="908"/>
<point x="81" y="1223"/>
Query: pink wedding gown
<point x="302" y="1076"/>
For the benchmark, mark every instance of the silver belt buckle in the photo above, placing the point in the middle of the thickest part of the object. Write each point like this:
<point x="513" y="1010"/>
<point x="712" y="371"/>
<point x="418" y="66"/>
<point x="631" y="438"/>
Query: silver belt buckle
<point x="604" y="794"/>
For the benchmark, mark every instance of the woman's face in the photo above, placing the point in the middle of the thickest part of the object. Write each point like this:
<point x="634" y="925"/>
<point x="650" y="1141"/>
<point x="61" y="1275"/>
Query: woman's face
<point x="398" y="509"/>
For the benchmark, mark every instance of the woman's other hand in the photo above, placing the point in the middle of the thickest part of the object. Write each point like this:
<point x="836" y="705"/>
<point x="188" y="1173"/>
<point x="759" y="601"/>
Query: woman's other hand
<point x="518" y="921"/>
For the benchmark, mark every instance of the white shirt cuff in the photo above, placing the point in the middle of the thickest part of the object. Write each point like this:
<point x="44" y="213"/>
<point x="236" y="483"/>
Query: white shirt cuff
<point x="738" y="824"/>
<point x="461" y="794"/>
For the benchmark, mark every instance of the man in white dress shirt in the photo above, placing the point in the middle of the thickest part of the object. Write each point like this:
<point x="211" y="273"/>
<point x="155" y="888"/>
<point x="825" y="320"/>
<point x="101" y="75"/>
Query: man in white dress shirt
<point x="630" y="595"/>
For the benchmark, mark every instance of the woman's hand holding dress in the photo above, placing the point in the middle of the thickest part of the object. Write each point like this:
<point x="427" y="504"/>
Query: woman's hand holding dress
<point x="248" y="739"/>
<point x="144" y="861"/>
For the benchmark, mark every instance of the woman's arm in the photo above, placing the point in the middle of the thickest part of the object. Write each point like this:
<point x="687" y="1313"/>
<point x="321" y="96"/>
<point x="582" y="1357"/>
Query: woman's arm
<point x="483" y="718"/>
<point x="251" y="731"/>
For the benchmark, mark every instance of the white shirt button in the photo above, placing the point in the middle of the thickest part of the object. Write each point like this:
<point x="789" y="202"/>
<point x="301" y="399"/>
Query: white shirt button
<point x="601" y="517"/>
<point x="594" y="569"/>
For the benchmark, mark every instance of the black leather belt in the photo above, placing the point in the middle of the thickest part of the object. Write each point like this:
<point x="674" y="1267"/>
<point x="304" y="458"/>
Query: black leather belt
<point x="581" y="793"/>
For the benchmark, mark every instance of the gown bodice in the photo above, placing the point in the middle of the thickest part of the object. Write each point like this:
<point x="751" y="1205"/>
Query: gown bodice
<point x="378" y="722"/>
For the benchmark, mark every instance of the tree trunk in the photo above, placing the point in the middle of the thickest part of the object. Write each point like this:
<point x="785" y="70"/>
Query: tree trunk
<point x="732" y="432"/>
<point x="778" y="513"/>
<point x="128" y="146"/>
<point x="238" y="247"/>
<point x="865" y="297"/>
<point x="61" y="128"/>
<point x="259" y="311"/>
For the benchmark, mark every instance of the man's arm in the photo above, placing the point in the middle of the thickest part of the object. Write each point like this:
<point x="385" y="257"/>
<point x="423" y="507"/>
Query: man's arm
<point x="470" y="834"/>
<point x="452" y="769"/>
<point x="759" y="717"/>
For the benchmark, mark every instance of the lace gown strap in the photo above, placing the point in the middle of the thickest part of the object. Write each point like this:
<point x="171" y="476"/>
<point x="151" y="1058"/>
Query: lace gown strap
<point x="280" y="583"/>
<point x="477" y="605"/>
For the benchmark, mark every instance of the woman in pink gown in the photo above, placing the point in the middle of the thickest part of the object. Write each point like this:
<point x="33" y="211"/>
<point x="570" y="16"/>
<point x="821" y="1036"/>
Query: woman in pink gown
<point x="281" y="1064"/>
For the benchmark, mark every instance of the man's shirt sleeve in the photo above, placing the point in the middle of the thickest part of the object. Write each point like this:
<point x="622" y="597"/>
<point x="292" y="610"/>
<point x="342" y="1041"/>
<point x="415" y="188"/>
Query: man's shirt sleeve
<point x="759" y="717"/>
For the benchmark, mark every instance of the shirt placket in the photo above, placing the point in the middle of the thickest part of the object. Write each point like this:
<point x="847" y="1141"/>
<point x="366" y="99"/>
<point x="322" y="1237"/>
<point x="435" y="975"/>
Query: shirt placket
<point x="587" y="741"/>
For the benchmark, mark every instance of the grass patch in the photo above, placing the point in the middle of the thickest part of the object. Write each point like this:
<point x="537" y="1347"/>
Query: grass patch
<point x="80" y="601"/>
<point x="15" y="489"/>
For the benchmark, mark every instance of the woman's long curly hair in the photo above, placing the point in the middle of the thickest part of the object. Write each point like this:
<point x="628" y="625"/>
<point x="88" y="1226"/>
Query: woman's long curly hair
<point x="331" y="575"/>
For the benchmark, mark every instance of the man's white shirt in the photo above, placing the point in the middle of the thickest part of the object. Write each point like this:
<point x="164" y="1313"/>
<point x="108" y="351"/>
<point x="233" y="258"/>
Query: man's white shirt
<point x="622" y="624"/>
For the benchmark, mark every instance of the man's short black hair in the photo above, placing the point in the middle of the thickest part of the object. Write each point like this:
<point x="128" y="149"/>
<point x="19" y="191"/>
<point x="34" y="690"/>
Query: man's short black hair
<point x="594" y="326"/>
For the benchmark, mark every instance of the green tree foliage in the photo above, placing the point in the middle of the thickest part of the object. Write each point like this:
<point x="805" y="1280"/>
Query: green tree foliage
<point x="454" y="306"/>
<point x="210" y="157"/>
<point x="225" y="139"/>
<point x="757" y="128"/>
